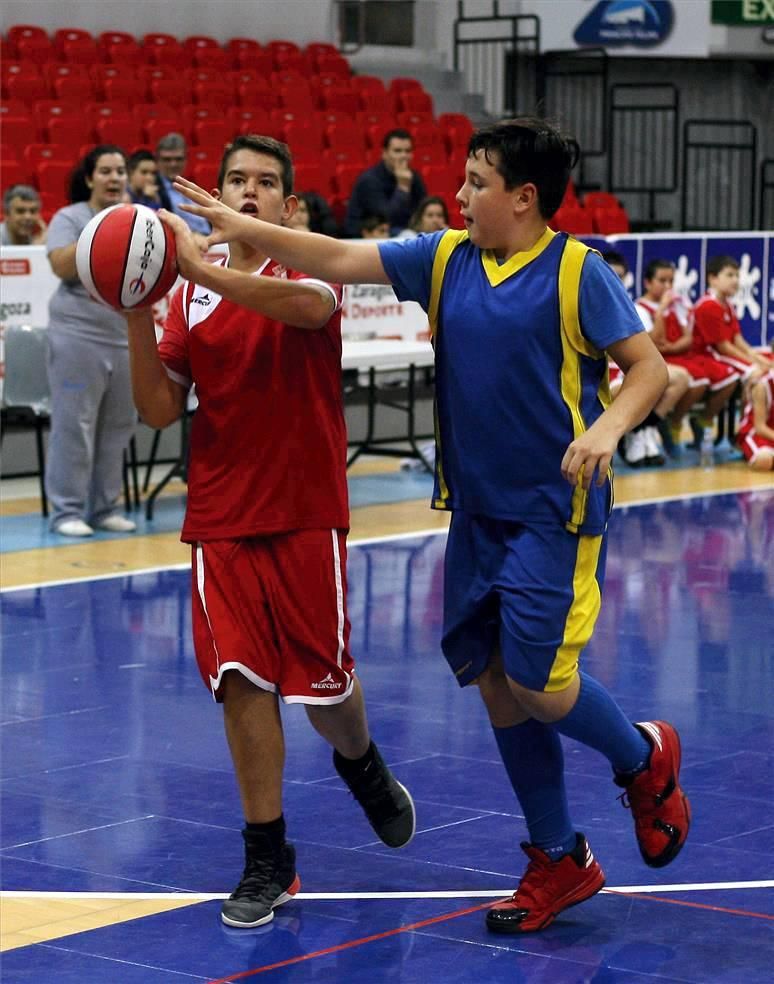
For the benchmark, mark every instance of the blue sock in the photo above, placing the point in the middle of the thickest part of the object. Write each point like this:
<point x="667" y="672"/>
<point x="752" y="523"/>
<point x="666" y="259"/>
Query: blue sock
<point x="597" y="721"/>
<point x="533" y="758"/>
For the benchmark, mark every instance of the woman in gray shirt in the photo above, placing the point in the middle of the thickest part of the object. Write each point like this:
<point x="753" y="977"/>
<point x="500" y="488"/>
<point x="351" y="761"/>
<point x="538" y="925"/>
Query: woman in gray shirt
<point x="92" y="414"/>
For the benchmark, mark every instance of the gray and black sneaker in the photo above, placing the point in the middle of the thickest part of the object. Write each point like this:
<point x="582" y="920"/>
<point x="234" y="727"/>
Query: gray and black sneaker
<point x="387" y="803"/>
<point x="269" y="879"/>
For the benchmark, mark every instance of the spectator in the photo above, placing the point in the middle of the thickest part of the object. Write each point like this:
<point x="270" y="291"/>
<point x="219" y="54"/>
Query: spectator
<point x="716" y="329"/>
<point x="23" y="225"/>
<point x="171" y="157"/>
<point x="617" y="263"/>
<point x="668" y="317"/>
<point x="389" y="187"/>
<point x="756" y="428"/>
<point x="321" y="217"/>
<point x="92" y="414"/>
<point x="143" y="184"/>
<point x="301" y="218"/>
<point x="431" y="215"/>
<point x="374" y="226"/>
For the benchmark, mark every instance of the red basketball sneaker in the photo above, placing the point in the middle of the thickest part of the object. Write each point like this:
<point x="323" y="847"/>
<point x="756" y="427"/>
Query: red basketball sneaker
<point x="547" y="888"/>
<point x="661" y="811"/>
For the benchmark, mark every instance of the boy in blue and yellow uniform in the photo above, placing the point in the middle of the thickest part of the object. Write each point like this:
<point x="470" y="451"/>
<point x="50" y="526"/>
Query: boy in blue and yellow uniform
<point x="522" y="319"/>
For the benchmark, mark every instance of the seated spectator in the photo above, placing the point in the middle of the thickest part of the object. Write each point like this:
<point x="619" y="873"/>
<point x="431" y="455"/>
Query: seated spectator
<point x="171" y="156"/>
<point x="301" y="218"/>
<point x="143" y="186"/>
<point x="756" y="429"/>
<point x="716" y="329"/>
<point x="374" y="226"/>
<point x="389" y="187"/>
<point x="23" y="225"/>
<point x="431" y="215"/>
<point x="667" y="316"/>
<point x="321" y="218"/>
<point x="642" y="445"/>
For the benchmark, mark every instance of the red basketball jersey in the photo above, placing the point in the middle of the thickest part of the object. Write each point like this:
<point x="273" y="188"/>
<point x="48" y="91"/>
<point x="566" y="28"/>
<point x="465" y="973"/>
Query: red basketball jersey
<point x="713" y="321"/>
<point x="747" y="423"/>
<point x="268" y="440"/>
<point x="676" y="317"/>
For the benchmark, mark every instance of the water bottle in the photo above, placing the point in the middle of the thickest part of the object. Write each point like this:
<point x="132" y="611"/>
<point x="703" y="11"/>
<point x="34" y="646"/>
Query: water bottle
<point x="707" y="449"/>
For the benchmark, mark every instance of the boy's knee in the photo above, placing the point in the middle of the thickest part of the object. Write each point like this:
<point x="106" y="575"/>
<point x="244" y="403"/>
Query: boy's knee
<point x="544" y="706"/>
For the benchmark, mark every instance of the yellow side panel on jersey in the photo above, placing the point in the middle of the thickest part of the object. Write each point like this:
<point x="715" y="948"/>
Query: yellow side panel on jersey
<point x="573" y="346"/>
<point x="449" y="242"/>
<point x="582" y="615"/>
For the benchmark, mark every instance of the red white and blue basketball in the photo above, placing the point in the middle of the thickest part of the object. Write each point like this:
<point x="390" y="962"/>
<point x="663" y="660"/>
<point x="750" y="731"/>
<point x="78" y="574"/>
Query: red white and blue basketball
<point x="126" y="257"/>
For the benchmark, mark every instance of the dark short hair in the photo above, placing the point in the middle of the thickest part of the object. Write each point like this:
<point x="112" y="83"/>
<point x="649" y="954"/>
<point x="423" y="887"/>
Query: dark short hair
<point x="650" y="269"/>
<point x="716" y="264"/>
<point x="397" y="134"/>
<point x="613" y="258"/>
<point x="372" y="220"/>
<point x="79" y="190"/>
<point x="529" y="149"/>
<point x="419" y="211"/>
<point x="261" y="145"/>
<point x="137" y="158"/>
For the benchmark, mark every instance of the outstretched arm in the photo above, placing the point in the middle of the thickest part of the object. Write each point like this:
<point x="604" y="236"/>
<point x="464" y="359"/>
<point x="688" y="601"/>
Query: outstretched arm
<point x="320" y="256"/>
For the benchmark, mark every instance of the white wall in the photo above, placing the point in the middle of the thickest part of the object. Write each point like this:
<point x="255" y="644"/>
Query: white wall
<point x="295" y="20"/>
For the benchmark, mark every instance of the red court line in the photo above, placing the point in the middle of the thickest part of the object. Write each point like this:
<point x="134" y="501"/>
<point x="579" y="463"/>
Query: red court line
<point x="464" y="912"/>
<point x="346" y="946"/>
<point x="691" y="905"/>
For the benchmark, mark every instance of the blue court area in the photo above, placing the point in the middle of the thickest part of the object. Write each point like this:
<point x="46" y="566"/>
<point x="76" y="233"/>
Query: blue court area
<point x="117" y="779"/>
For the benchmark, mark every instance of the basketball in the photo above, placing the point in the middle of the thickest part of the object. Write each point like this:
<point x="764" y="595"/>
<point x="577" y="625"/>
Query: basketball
<point x="126" y="257"/>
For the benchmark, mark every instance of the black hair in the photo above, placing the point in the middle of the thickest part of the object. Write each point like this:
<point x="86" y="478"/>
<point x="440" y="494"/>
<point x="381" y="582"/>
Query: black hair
<point x="529" y="149"/>
<point x="650" y="269"/>
<point x="79" y="190"/>
<point x="419" y="211"/>
<point x="261" y="145"/>
<point x="372" y="220"/>
<point x="613" y="258"/>
<point x="716" y="264"/>
<point x="397" y="134"/>
<point x="138" y="157"/>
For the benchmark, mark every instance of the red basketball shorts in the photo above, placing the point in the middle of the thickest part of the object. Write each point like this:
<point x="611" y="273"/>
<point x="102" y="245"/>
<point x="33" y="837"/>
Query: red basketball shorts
<point x="753" y="444"/>
<point x="274" y="609"/>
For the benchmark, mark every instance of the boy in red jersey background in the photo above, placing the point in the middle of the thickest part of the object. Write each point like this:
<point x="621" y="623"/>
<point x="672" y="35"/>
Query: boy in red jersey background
<point x="267" y="513"/>
<point x="755" y="435"/>
<point x="716" y="329"/>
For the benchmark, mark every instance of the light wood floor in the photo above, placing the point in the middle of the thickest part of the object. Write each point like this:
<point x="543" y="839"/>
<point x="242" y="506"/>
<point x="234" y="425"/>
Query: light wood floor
<point x="29" y="920"/>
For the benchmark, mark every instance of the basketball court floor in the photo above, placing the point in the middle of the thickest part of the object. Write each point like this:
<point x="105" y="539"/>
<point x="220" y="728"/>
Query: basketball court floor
<point x="120" y="816"/>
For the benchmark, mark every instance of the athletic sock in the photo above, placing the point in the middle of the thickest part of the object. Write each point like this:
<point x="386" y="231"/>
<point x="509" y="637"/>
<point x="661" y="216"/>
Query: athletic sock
<point x="597" y="721"/>
<point x="533" y="758"/>
<point x="274" y="830"/>
<point x="352" y="768"/>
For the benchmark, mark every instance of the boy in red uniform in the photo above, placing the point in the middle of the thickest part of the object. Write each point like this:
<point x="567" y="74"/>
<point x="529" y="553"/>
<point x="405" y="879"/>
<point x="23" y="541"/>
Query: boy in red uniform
<point x="756" y="428"/>
<point x="716" y="329"/>
<point x="267" y="514"/>
<point x="668" y="319"/>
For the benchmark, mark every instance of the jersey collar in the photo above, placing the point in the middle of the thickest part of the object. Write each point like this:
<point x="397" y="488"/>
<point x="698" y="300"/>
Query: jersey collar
<point x="496" y="273"/>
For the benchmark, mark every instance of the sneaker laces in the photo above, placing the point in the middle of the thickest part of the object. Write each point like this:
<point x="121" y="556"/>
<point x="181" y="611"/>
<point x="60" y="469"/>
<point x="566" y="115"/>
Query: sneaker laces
<point x="256" y="878"/>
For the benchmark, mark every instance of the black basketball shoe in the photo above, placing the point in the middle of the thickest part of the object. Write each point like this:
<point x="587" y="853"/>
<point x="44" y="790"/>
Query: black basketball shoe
<point x="387" y="803"/>
<point x="269" y="879"/>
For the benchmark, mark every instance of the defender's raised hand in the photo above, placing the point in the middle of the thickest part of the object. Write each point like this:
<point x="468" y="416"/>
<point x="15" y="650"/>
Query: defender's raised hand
<point x="225" y="222"/>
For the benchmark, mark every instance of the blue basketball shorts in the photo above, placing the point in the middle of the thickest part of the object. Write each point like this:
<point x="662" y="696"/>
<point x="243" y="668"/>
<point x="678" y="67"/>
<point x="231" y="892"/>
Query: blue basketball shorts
<point x="534" y="591"/>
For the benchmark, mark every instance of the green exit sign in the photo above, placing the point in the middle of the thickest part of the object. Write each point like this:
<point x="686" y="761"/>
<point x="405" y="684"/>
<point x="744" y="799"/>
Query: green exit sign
<point x="744" y="13"/>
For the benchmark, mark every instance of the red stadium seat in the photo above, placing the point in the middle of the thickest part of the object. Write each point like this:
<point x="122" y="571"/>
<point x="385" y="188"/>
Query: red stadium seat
<point x="456" y="129"/>
<point x="124" y="54"/>
<point x="297" y="100"/>
<point x="256" y="58"/>
<point x="342" y="99"/>
<point x="76" y="46"/>
<point x="213" y="94"/>
<point x="23" y="83"/>
<point x="13" y="171"/>
<point x="439" y="180"/>
<point x="425" y="136"/>
<point x="53" y="177"/>
<point x="72" y="89"/>
<point x="50" y="203"/>
<point x="333" y="65"/>
<point x="166" y="50"/>
<point x="25" y="32"/>
<point x="415" y="101"/>
<point x="18" y="131"/>
<point x="288" y="79"/>
<point x="211" y="133"/>
<point x="109" y="38"/>
<point x="123" y="87"/>
<point x="332" y="157"/>
<point x="610" y="221"/>
<point x="235" y="45"/>
<point x="430" y="155"/>
<point x="345" y="136"/>
<point x="168" y="91"/>
<point x="304" y="137"/>
<point x="243" y="120"/>
<point x="157" y="127"/>
<point x="215" y="59"/>
<point x="344" y="178"/>
<point x="317" y="49"/>
<point x="600" y="199"/>
<point x="251" y="96"/>
<point x="72" y="130"/>
<point x="206" y="175"/>
<point x="311" y="177"/>
<point x="143" y="112"/>
<point x="12" y="107"/>
<point x="123" y="130"/>
<point x="157" y="73"/>
<point x="572" y="219"/>
<point x="417" y="120"/>
<point x="201" y="42"/>
<point x="282" y="48"/>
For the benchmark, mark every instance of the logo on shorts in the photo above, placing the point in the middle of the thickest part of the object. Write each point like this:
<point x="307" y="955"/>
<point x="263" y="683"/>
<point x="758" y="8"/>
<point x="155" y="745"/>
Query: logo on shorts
<point x="327" y="683"/>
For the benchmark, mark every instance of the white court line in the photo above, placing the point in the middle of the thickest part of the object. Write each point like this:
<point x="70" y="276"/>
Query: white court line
<point x="365" y="541"/>
<point x="343" y="896"/>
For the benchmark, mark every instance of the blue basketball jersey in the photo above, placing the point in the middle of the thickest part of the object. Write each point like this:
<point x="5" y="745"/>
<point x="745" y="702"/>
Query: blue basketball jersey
<point x="520" y="369"/>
